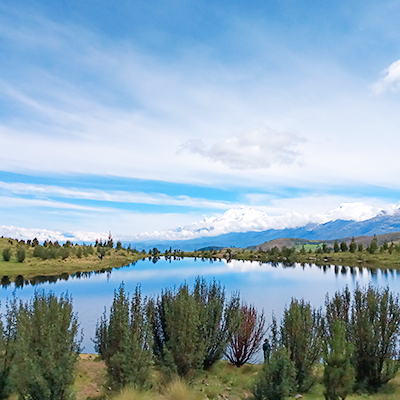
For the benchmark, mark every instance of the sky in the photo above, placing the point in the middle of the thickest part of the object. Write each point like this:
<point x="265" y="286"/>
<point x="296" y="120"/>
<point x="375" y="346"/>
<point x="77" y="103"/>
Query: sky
<point x="141" y="116"/>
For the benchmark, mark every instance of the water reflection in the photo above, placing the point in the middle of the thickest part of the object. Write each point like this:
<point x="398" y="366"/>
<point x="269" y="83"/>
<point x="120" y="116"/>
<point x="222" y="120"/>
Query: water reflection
<point x="266" y="285"/>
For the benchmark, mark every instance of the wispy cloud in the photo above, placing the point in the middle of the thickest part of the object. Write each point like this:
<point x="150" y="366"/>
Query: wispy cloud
<point x="111" y="196"/>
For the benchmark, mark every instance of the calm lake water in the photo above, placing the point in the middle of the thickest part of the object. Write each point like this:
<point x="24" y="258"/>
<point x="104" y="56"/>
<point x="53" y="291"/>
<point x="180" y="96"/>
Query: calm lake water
<point x="267" y="286"/>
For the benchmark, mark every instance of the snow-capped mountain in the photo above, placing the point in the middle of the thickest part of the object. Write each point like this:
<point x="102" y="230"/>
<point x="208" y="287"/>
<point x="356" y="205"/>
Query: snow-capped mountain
<point x="248" y="219"/>
<point x="247" y="226"/>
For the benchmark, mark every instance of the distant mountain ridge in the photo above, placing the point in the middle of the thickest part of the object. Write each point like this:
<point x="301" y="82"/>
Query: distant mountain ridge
<point x="339" y="229"/>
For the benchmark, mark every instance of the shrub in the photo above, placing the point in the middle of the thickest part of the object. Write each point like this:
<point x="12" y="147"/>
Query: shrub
<point x="277" y="381"/>
<point x="7" y="340"/>
<point x="301" y="334"/>
<point x="339" y="376"/>
<point x="246" y="341"/>
<point x="20" y="254"/>
<point x="79" y="252"/>
<point x="192" y="328"/>
<point x="372" y="325"/>
<point x="46" y="348"/>
<point x="7" y="254"/>
<point x="124" y="341"/>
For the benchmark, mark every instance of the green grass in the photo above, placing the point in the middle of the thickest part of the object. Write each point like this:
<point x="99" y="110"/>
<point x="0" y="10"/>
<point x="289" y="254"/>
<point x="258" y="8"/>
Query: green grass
<point x="33" y="266"/>
<point x="222" y="381"/>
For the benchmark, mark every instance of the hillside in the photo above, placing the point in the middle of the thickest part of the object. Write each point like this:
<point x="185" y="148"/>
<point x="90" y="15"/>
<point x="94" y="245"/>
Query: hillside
<point x="292" y="242"/>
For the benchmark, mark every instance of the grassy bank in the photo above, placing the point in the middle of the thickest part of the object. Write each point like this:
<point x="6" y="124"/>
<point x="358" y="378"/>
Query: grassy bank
<point x="223" y="381"/>
<point x="363" y="259"/>
<point x="33" y="266"/>
<point x="80" y="260"/>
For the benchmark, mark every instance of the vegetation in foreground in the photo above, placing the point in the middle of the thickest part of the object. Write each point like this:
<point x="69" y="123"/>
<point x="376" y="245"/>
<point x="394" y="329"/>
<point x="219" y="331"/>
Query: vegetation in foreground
<point x="146" y="343"/>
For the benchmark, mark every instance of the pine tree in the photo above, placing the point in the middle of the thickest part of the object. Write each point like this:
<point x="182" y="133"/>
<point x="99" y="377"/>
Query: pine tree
<point x="339" y="375"/>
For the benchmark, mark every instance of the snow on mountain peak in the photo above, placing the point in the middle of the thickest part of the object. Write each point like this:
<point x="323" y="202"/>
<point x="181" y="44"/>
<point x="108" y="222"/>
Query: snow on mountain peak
<point x="356" y="211"/>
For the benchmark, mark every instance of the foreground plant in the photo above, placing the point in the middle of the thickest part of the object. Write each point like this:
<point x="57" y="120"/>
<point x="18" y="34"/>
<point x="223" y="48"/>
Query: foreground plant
<point x="124" y="340"/>
<point x="246" y="340"/>
<point x="47" y="348"/>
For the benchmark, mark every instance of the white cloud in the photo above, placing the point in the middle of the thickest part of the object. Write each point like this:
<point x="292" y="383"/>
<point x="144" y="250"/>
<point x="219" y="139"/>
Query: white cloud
<point x="47" y="234"/>
<point x="390" y="80"/>
<point x="110" y="196"/>
<point x="256" y="148"/>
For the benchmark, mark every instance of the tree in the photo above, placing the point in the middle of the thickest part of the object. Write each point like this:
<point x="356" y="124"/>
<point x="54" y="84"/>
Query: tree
<point x="353" y="246"/>
<point x="124" y="341"/>
<point x="246" y="341"/>
<point x="301" y="334"/>
<point x="375" y="322"/>
<point x="336" y="246"/>
<point x="7" y="254"/>
<point x="192" y="328"/>
<point x="46" y="349"/>
<point x="7" y="348"/>
<point x="373" y="246"/>
<point x="339" y="376"/>
<point x="343" y="246"/>
<point x="277" y="381"/>
<point x="220" y="318"/>
<point x="372" y="325"/>
<point x="20" y="254"/>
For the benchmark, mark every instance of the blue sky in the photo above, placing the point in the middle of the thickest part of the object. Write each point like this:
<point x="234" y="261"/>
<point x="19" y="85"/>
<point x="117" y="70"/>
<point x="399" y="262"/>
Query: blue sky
<point x="145" y="116"/>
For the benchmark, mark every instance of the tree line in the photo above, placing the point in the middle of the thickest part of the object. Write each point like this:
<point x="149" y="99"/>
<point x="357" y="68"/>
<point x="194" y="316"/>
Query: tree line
<point x="185" y="329"/>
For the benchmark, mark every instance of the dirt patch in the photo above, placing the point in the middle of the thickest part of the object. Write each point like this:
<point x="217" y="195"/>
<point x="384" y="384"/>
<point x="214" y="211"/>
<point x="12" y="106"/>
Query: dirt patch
<point x="90" y="377"/>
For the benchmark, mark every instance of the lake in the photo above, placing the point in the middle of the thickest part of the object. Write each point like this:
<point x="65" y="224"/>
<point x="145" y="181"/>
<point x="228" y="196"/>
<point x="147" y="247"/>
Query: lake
<point x="269" y="287"/>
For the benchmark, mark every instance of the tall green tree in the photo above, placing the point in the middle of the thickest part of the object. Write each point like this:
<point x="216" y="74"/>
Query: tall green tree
<point x="124" y="340"/>
<point x="353" y="245"/>
<point x="193" y="327"/>
<point x="343" y="246"/>
<point x="220" y="318"/>
<point x="336" y="247"/>
<point x="372" y="326"/>
<point x="373" y="246"/>
<point x="47" y="348"/>
<point x="8" y="333"/>
<point x="301" y="333"/>
<point x="375" y="321"/>
<point x="339" y="375"/>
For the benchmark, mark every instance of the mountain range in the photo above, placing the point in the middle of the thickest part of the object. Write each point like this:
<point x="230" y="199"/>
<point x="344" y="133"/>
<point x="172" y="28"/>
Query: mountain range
<point x="382" y="223"/>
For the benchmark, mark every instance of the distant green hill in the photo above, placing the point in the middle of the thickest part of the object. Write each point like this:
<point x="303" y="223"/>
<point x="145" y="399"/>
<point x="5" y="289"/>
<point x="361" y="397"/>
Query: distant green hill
<point x="313" y="244"/>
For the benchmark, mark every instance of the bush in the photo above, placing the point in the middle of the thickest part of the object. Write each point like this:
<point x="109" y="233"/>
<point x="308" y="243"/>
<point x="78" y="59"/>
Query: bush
<point x="246" y="341"/>
<point x="192" y="328"/>
<point x="7" y="340"/>
<point x="277" y="381"/>
<point x="79" y="252"/>
<point x="372" y="325"/>
<point x="301" y="334"/>
<point x="7" y="254"/>
<point x="124" y="341"/>
<point x="339" y="376"/>
<point x="46" y="348"/>
<point x="20" y="254"/>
